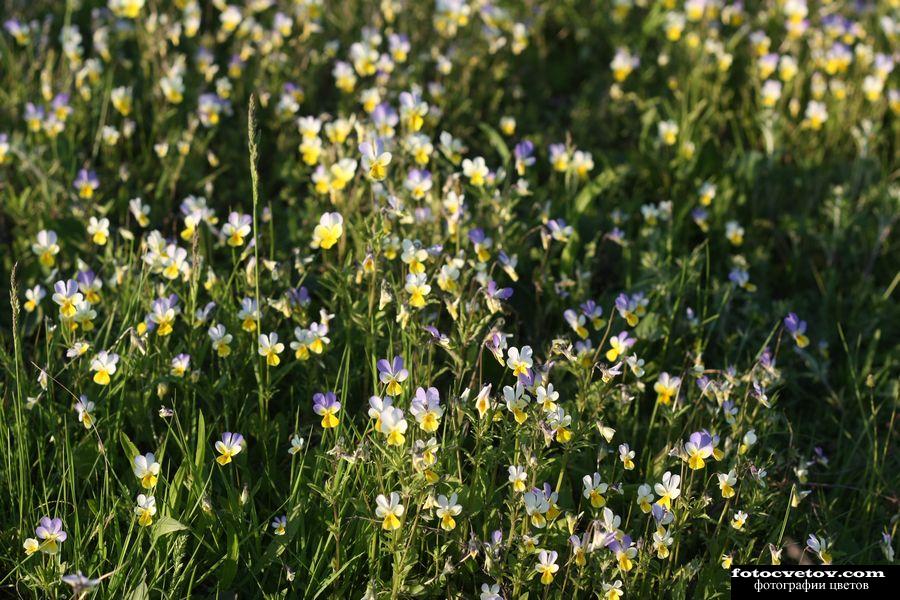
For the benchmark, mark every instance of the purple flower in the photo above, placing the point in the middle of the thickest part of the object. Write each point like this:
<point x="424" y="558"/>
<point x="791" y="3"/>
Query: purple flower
<point x="436" y="336"/>
<point x="326" y="405"/>
<point x="498" y="293"/>
<point x="298" y="298"/>
<point x="797" y="329"/>
<point x="392" y="374"/>
<point x="698" y="448"/>
<point x="524" y="154"/>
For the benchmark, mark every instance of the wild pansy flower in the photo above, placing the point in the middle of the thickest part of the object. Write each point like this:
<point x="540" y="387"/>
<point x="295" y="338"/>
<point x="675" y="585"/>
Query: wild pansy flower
<point x="89" y="285"/>
<point x="698" y="448"/>
<point x="374" y="159"/>
<point x="559" y="157"/>
<point x="50" y="535"/>
<point x="220" y="340"/>
<point x="104" y="365"/>
<point x="84" y="407"/>
<point x="279" y="525"/>
<point x="626" y="455"/>
<point x="821" y="546"/>
<point x="248" y="314"/>
<point x="631" y="308"/>
<point x="619" y="345"/>
<point x="559" y="423"/>
<point x="389" y="510"/>
<point x="447" y="508"/>
<point x="668" y="132"/>
<point x="520" y="361"/>
<point x="146" y="469"/>
<point x="328" y="231"/>
<point x="816" y="115"/>
<point x="482" y="243"/>
<point x="163" y="313"/>
<point x="228" y="447"/>
<point x="270" y="347"/>
<point x="417" y="288"/>
<point x="734" y="233"/>
<point x="483" y="401"/>
<point x="86" y="184"/>
<point x="580" y="548"/>
<point x="210" y="108"/>
<point x="495" y="294"/>
<point x="475" y="170"/>
<point x="98" y="229"/>
<point x="490" y="592"/>
<point x="727" y="481"/>
<point x="582" y="163"/>
<point x="747" y="441"/>
<point x="145" y="510"/>
<point x="80" y="584"/>
<point x="559" y="230"/>
<point x="537" y="506"/>
<point x="547" y="397"/>
<point x="644" y="498"/>
<point x="327" y="406"/>
<point x="412" y="110"/>
<point x="516" y="401"/>
<point x="612" y="591"/>
<point x="576" y="322"/>
<point x="236" y="229"/>
<point x="45" y="247"/>
<point x="524" y="156"/>
<point x="624" y="551"/>
<point x="297" y="444"/>
<point x="547" y="566"/>
<point x="517" y="477"/>
<point x="378" y="405"/>
<point x="797" y="329"/>
<point x="668" y="489"/>
<point x="414" y="255"/>
<point x="594" y="488"/>
<point x="342" y="173"/>
<point x="180" y="365"/>
<point x="886" y="545"/>
<point x="666" y="388"/>
<point x="67" y="296"/>
<point x="662" y="539"/>
<point x="393" y="425"/>
<point x="623" y="63"/>
<point x="738" y="520"/>
<point x="426" y="408"/>
<point x="392" y="374"/>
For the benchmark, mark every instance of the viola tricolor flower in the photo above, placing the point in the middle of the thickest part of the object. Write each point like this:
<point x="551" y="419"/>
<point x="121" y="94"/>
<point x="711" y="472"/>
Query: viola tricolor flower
<point x="228" y="447"/>
<point x="392" y="374"/>
<point x="797" y="329"/>
<point x="326" y="406"/>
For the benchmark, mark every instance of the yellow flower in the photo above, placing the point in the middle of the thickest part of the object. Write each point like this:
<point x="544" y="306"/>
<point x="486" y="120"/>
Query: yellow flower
<point x="229" y="446"/>
<point x="328" y="231"/>
<point x="389" y="510"/>
<point x="145" y="510"/>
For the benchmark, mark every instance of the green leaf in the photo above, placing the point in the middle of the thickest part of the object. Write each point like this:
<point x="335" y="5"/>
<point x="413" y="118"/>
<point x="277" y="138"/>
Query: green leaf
<point x="128" y="446"/>
<point x="140" y="592"/>
<point x="229" y="568"/>
<point x="166" y="525"/>
<point x="496" y="141"/>
<point x="201" y="440"/>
